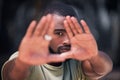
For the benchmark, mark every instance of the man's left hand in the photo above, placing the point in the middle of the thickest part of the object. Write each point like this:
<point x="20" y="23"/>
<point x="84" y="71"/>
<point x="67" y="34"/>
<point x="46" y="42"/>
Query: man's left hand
<point x="83" y="44"/>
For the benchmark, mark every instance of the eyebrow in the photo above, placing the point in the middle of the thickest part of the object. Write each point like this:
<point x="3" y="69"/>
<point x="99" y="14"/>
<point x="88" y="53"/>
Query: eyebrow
<point x="60" y="30"/>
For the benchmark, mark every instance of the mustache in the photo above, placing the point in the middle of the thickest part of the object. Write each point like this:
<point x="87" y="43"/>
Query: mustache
<point x="64" y="48"/>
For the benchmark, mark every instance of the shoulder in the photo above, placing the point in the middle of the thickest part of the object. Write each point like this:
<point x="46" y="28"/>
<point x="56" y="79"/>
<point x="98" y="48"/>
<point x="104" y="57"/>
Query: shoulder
<point x="13" y="56"/>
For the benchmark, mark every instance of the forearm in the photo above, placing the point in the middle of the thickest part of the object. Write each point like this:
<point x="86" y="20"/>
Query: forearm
<point x="99" y="65"/>
<point x="15" y="70"/>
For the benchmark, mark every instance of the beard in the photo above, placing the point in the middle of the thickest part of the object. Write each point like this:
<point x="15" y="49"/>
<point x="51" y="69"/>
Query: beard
<point x="60" y="49"/>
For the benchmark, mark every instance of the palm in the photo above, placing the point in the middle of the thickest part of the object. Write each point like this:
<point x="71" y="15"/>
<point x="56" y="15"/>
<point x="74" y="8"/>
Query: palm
<point x="34" y="48"/>
<point x="83" y="45"/>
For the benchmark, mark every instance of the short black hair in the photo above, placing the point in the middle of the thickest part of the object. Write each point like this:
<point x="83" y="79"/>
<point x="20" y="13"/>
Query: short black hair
<point x="59" y="8"/>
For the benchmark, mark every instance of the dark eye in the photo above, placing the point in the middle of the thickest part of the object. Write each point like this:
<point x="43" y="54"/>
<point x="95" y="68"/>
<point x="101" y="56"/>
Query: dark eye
<point x="59" y="33"/>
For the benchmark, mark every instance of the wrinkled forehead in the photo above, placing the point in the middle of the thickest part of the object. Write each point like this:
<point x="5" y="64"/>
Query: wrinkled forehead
<point x="58" y="20"/>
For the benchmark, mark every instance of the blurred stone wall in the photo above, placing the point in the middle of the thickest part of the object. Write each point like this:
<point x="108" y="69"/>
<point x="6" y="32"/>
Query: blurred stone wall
<point x="102" y="16"/>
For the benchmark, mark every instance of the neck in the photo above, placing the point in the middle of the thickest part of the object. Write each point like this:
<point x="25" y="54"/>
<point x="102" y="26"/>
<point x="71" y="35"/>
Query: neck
<point x="56" y="64"/>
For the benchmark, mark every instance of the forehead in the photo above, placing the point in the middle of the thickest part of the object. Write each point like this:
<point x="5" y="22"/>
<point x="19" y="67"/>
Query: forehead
<point x="58" y="20"/>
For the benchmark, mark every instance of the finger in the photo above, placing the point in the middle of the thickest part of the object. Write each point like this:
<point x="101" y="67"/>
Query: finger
<point x="77" y="25"/>
<point x="68" y="30"/>
<point x="67" y="55"/>
<point x="51" y="26"/>
<point x="55" y="58"/>
<point x="48" y="24"/>
<point x="31" y="28"/>
<point x="85" y="26"/>
<point x="40" y="26"/>
<point x="72" y="26"/>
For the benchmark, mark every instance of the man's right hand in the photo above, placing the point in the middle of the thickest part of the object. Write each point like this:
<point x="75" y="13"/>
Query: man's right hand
<point x="34" y="49"/>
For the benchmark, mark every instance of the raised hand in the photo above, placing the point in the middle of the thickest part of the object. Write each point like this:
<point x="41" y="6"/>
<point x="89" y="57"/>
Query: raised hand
<point x="34" y="49"/>
<point x="83" y="44"/>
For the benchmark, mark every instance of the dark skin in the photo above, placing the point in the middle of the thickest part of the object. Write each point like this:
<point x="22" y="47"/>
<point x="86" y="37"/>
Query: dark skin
<point x="69" y="41"/>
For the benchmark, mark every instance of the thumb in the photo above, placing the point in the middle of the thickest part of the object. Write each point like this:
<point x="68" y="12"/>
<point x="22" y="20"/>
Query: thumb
<point x="56" y="58"/>
<point x="67" y="55"/>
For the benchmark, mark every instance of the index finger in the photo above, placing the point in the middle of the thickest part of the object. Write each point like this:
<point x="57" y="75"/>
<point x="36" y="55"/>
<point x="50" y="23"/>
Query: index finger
<point x="85" y="26"/>
<point x="31" y="29"/>
<point x="51" y="27"/>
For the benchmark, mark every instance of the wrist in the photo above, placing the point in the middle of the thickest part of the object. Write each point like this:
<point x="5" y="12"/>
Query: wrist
<point x="94" y="58"/>
<point x="21" y="65"/>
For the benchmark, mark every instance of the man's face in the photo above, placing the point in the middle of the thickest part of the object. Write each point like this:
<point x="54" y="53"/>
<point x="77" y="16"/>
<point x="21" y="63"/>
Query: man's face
<point x="60" y="41"/>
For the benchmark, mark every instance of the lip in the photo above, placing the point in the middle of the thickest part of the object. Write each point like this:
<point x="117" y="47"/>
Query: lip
<point x="64" y="49"/>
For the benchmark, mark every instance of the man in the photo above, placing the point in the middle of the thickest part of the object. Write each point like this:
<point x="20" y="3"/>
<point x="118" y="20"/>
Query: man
<point x="57" y="48"/>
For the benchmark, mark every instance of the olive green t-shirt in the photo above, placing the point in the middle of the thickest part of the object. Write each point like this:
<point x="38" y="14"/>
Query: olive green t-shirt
<point x="69" y="70"/>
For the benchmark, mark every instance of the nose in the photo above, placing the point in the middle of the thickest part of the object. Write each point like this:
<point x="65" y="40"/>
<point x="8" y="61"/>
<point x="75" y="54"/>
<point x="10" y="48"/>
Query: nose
<point x="66" y="40"/>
